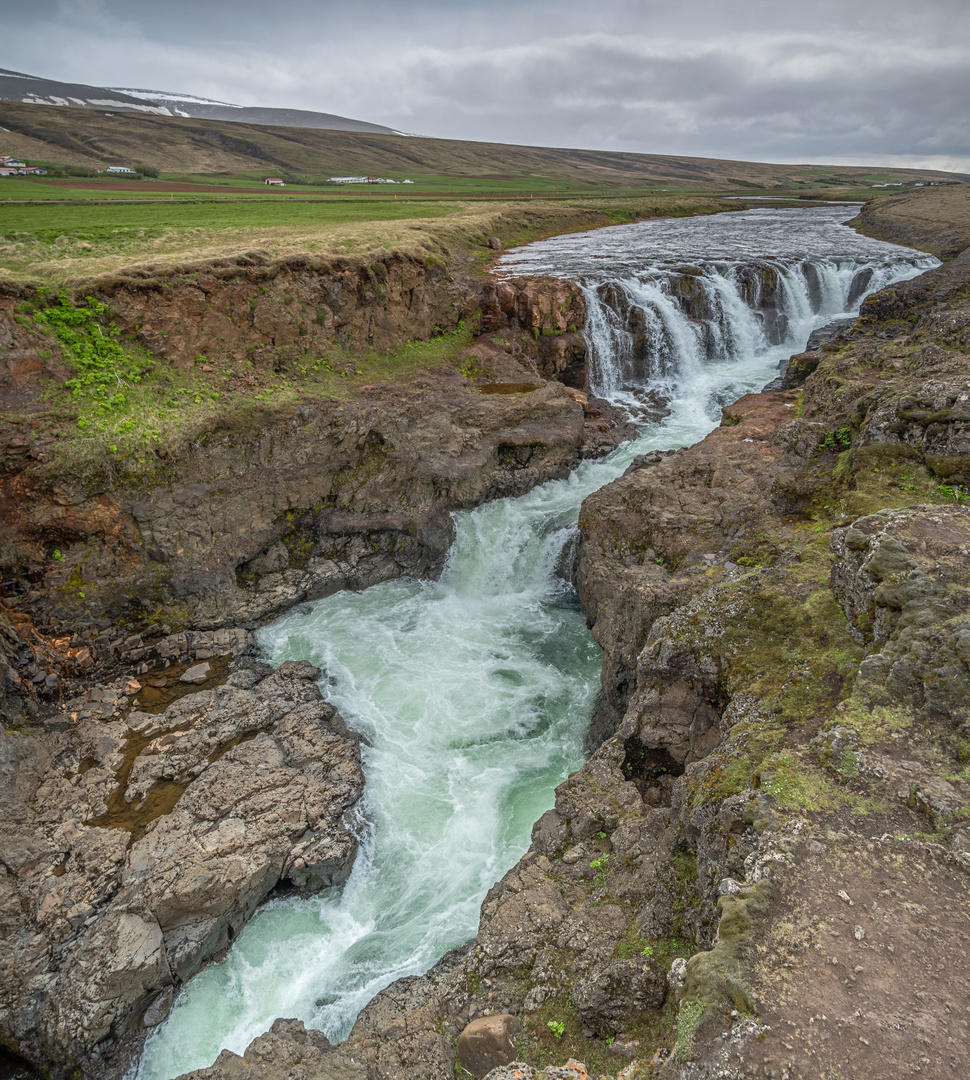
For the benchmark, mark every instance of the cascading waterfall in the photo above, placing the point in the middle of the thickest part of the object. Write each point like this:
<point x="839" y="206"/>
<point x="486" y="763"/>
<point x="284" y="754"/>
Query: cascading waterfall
<point x="474" y="690"/>
<point x="662" y="326"/>
<point x="675" y="302"/>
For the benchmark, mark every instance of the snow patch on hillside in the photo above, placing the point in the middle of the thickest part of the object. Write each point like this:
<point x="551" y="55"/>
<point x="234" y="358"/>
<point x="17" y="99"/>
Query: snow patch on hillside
<point x="163" y="95"/>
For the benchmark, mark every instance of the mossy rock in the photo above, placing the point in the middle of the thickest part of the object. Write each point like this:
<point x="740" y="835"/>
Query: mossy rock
<point x="717" y="979"/>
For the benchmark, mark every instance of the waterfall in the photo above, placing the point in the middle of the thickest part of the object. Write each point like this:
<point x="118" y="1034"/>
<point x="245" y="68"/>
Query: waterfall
<point x="673" y="304"/>
<point x="662" y="326"/>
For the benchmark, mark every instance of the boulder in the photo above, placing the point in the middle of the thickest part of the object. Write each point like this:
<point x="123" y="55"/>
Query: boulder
<point x="487" y="1043"/>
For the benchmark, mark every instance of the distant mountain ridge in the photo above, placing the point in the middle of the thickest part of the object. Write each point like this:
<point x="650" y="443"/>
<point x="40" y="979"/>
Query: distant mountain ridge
<point x="34" y="90"/>
<point x="205" y="109"/>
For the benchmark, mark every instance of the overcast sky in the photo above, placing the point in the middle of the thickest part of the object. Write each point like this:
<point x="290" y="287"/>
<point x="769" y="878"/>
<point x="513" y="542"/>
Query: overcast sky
<point x="847" y="82"/>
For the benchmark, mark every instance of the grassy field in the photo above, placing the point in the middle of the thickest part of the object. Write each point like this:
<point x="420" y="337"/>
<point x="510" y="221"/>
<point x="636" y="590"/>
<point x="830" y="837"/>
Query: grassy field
<point x="202" y="186"/>
<point x="96" y="221"/>
<point x="180" y="187"/>
<point x="73" y="243"/>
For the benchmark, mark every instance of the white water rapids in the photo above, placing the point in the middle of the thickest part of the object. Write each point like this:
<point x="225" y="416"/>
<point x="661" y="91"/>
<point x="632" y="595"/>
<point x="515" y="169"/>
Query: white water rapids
<point x="474" y="691"/>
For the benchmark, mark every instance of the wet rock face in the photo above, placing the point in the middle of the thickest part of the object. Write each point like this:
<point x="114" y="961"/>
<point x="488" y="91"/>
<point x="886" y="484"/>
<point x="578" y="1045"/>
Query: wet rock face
<point x="138" y="844"/>
<point x="549" y="306"/>
<point x="758" y="287"/>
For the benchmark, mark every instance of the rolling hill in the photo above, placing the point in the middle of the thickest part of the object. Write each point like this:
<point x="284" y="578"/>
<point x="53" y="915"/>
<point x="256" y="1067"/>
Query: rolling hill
<point x="189" y="145"/>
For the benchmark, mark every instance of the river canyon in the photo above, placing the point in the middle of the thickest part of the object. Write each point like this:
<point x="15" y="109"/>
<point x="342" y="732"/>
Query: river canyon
<point x="474" y="692"/>
<point x="467" y="694"/>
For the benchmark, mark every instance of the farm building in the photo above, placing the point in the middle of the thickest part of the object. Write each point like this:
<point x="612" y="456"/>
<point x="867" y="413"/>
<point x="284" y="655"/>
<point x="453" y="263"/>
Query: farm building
<point x="365" y="180"/>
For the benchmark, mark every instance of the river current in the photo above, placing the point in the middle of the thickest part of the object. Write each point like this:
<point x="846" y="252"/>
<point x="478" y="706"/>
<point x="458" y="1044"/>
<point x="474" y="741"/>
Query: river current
<point x="474" y="691"/>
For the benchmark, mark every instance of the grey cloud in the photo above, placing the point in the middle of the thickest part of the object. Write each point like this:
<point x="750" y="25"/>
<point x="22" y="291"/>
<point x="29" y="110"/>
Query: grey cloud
<point x="876" y="80"/>
<point x="745" y="97"/>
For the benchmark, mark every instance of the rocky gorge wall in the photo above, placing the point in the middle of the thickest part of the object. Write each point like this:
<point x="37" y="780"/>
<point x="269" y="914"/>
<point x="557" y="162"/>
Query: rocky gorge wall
<point x="260" y="505"/>
<point x="293" y="505"/>
<point x="250" y="304"/>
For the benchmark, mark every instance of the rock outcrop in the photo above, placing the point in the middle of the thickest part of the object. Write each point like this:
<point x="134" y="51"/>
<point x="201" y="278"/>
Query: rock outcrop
<point x="540" y="320"/>
<point x="486" y="1044"/>
<point x="286" y="507"/>
<point x="137" y="844"/>
<point x="287" y="1052"/>
<point x="672" y="515"/>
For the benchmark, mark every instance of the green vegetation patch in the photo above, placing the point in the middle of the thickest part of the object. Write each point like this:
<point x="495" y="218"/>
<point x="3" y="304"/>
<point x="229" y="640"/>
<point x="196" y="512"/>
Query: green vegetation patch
<point x="717" y="978"/>
<point x="864" y="480"/>
<point x="781" y="641"/>
<point x="105" y="370"/>
<point x="124" y="414"/>
<point x="788" y="642"/>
